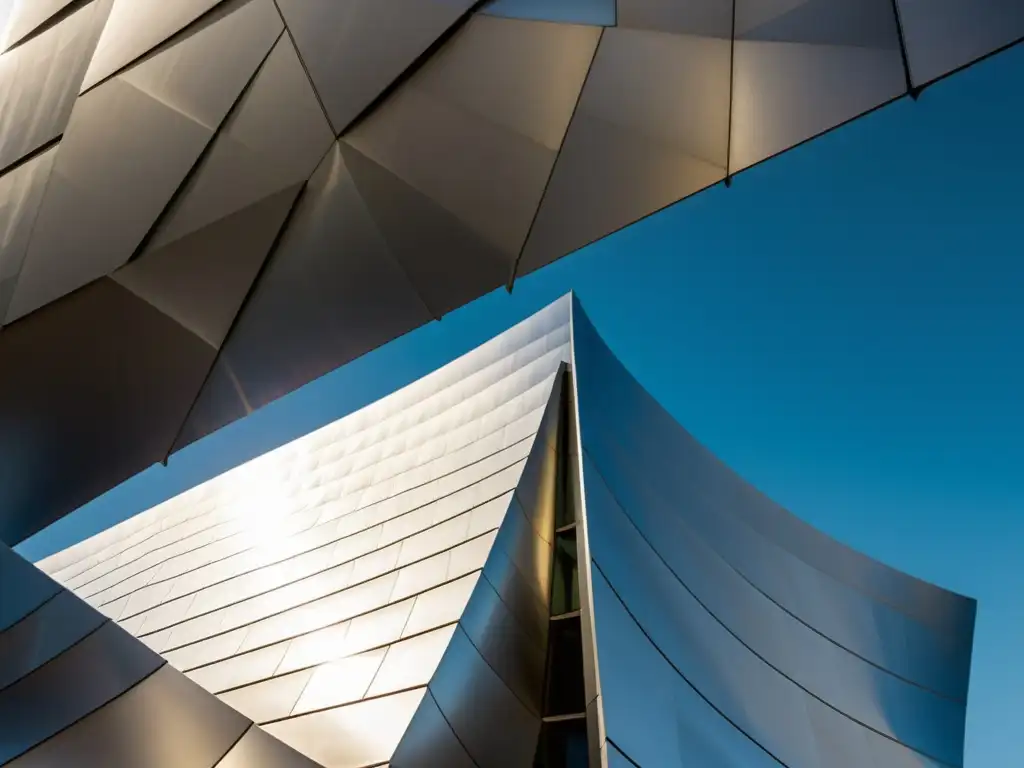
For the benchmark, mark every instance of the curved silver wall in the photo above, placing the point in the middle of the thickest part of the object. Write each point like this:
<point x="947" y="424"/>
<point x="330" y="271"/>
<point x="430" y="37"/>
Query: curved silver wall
<point x="385" y="590"/>
<point x="207" y="203"/>
<point x="756" y="640"/>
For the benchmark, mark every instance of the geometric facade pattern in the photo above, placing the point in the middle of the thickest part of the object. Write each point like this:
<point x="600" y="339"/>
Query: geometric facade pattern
<point x="205" y="204"/>
<point x="519" y="560"/>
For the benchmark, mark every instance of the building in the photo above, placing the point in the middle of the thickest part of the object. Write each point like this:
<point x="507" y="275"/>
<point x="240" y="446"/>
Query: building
<point x="521" y="557"/>
<point x="262" y="190"/>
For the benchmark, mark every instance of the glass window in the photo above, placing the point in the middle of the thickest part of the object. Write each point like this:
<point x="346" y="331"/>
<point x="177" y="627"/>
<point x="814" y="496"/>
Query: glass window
<point x="562" y="744"/>
<point x="565" y="694"/>
<point x="565" y="591"/>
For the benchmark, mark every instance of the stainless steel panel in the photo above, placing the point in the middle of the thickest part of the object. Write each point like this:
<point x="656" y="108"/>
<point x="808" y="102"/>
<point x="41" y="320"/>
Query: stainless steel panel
<point x="651" y="127"/>
<point x="138" y="26"/>
<point x="102" y="666"/>
<point x="772" y="657"/>
<point x="944" y="35"/>
<point x="411" y="662"/>
<point x="340" y="682"/>
<point x="258" y="749"/>
<point x="429" y="741"/>
<point x="649" y="462"/>
<point x="356" y="49"/>
<point x="386" y="625"/>
<point x="311" y="310"/>
<point x="411" y="224"/>
<point x="802" y="68"/>
<point x="21" y="192"/>
<point x="440" y="606"/>
<point x="316" y="647"/>
<point x="33" y="588"/>
<point x="498" y="97"/>
<point x="704" y="18"/>
<point x="26" y="17"/>
<point x="493" y="726"/>
<point x="273" y="140"/>
<point x="353" y="736"/>
<point x="596" y="12"/>
<point x="129" y="145"/>
<point x="513" y="652"/>
<point x="201" y="279"/>
<point x="205" y="651"/>
<point x="43" y="634"/>
<point x="163" y="722"/>
<point x="125" y="424"/>
<point x="671" y="723"/>
<point x="240" y="670"/>
<point x="39" y="80"/>
<point x="422" y="575"/>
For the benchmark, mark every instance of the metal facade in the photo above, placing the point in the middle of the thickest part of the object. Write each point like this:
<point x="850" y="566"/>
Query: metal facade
<point x="205" y="204"/>
<point x="519" y="555"/>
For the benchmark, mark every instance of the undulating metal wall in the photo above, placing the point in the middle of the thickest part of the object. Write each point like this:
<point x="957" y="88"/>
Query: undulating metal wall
<point x="730" y="633"/>
<point x="377" y="590"/>
<point x="521" y="549"/>
<point x="76" y="689"/>
<point x="204" y="204"/>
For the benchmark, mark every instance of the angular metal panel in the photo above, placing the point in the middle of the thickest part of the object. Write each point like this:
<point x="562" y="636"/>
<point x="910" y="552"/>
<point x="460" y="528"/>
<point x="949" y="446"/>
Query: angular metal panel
<point x="26" y="17"/>
<point x="330" y="293"/>
<point x="163" y="722"/>
<point x="269" y="700"/>
<point x="33" y="588"/>
<point x="129" y="145"/>
<point x="273" y="139"/>
<point x="944" y="35"/>
<point x="102" y="666"/>
<point x="429" y="741"/>
<point x="21" y="192"/>
<point x="201" y="279"/>
<point x="651" y="127"/>
<point x="596" y="12"/>
<point x="801" y="68"/>
<point x="474" y="133"/>
<point x="355" y="49"/>
<point x="39" y="81"/>
<point x="340" y="682"/>
<point x="258" y="749"/>
<point x="493" y="726"/>
<point x="701" y="18"/>
<point x="104" y="376"/>
<point x="362" y="734"/>
<point x="138" y="26"/>
<point x="43" y="634"/>
<point x="411" y="662"/>
<point x="441" y="605"/>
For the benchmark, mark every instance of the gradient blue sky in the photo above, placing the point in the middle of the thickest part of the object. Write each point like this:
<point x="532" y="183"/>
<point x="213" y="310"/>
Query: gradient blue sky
<point x="844" y="326"/>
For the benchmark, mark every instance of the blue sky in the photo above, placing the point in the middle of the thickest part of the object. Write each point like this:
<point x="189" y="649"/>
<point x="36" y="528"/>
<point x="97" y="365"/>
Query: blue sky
<point x="844" y="327"/>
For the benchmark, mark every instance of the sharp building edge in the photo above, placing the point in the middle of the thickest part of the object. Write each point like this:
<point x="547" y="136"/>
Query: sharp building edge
<point x="205" y="204"/>
<point x="518" y="560"/>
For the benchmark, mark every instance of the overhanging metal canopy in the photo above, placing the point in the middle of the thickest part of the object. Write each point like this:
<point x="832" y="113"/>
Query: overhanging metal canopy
<point x="204" y="205"/>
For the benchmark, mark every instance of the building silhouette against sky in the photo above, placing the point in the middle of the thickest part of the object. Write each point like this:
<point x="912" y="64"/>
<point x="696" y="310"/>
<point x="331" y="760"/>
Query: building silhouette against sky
<point x="520" y="559"/>
<point x="205" y="204"/>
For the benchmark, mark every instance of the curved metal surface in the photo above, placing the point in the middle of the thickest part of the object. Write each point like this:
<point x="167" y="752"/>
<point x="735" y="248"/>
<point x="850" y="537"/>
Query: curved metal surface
<point x="810" y="652"/>
<point x="478" y="141"/>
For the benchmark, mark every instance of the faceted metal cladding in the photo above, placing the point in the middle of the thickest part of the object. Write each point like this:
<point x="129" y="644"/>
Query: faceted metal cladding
<point x="205" y="204"/>
<point x="519" y="560"/>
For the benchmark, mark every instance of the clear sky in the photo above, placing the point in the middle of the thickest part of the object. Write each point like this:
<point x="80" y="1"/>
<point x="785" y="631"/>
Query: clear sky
<point x="844" y="327"/>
